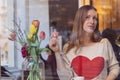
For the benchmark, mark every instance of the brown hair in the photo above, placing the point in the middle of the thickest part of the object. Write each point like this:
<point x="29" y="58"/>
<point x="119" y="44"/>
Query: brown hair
<point x="76" y="38"/>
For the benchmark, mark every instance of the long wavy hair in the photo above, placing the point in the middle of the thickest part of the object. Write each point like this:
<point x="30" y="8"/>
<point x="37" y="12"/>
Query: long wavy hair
<point x="76" y="38"/>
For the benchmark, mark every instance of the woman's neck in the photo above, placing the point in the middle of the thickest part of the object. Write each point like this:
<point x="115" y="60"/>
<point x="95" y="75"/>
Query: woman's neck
<point x="87" y="40"/>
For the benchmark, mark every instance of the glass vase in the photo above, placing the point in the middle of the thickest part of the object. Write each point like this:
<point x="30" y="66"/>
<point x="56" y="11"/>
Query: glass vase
<point x="32" y="70"/>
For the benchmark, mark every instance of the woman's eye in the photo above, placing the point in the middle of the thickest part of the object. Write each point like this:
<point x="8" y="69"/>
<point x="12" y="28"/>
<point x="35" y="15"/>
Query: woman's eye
<point x="95" y="18"/>
<point x="87" y="17"/>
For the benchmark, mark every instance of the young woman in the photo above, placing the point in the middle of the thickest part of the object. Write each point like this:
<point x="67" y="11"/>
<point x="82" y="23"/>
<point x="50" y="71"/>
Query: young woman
<point x="85" y="54"/>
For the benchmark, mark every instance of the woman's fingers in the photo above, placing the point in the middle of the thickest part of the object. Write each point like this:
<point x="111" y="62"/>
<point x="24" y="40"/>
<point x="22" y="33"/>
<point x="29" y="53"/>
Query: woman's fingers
<point x="54" y="44"/>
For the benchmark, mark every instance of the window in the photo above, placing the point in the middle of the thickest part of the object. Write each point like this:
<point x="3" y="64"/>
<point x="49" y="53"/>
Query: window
<point x="61" y="13"/>
<point x="6" y="47"/>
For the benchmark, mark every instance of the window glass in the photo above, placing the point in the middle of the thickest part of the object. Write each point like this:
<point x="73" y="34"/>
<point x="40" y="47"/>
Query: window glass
<point x="6" y="47"/>
<point x="61" y="13"/>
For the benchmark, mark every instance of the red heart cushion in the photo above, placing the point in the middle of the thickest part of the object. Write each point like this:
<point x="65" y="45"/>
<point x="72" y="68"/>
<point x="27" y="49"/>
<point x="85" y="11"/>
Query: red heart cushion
<point x="86" y="67"/>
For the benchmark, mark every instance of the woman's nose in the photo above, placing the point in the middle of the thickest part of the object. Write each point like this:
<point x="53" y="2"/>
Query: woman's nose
<point x="92" y="20"/>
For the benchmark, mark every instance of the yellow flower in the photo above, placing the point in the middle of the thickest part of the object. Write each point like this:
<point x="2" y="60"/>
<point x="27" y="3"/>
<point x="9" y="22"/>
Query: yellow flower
<point x="30" y="36"/>
<point x="33" y="29"/>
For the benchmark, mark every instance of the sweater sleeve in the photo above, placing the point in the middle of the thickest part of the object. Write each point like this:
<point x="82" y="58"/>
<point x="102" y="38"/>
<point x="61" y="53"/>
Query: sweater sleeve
<point x="112" y="61"/>
<point x="63" y="67"/>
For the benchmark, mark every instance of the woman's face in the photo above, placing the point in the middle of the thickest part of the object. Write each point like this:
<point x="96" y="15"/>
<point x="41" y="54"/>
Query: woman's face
<point x="90" y="21"/>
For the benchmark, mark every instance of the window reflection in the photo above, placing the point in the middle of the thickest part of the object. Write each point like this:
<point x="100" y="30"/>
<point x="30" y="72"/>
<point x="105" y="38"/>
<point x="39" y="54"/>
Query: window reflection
<point x="3" y="32"/>
<point x="61" y="13"/>
<point x="5" y="50"/>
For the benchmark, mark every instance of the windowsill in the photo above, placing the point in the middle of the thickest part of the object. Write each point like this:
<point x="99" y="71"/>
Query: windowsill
<point x="14" y="70"/>
<point x="7" y="78"/>
<point x="14" y="74"/>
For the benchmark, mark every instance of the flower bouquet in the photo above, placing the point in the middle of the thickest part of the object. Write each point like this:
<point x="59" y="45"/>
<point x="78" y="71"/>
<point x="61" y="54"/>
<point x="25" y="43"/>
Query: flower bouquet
<point x="30" y="47"/>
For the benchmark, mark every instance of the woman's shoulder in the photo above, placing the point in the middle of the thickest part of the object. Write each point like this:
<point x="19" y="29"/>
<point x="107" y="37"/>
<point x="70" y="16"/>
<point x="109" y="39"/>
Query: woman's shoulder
<point x="67" y="46"/>
<point x="104" y="40"/>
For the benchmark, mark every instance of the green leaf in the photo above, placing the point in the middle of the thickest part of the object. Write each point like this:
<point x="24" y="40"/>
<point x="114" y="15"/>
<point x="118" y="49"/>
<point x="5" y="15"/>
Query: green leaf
<point x="35" y="44"/>
<point x="44" y="50"/>
<point x="20" y="41"/>
<point x="33" y="54"/>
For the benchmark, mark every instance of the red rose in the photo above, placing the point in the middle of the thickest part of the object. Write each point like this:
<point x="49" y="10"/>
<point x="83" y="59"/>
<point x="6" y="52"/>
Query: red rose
<point x="42" y="35"/>
<point x="24" y="51"/>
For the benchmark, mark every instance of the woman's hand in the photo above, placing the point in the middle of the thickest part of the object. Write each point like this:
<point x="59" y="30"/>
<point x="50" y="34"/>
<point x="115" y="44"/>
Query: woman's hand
<point x="54" y="42"/>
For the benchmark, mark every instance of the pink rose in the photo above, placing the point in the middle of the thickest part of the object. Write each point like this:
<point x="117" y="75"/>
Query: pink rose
<point x="12" y="36"/>
<point x="42" y="35"/>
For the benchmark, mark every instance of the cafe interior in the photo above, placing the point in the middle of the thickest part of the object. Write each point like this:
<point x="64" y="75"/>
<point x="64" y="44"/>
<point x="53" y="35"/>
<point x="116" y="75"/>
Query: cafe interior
<point x="54" y="15"/>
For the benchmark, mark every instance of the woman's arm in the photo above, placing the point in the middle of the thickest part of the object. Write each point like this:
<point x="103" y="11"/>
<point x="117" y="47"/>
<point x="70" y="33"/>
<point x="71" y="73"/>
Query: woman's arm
<point x="63" y="68"/>
<point x="113" y="64"/>
<point x="114" y="72"/>
<point x="111" y="76"/>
